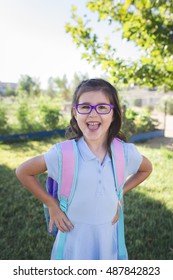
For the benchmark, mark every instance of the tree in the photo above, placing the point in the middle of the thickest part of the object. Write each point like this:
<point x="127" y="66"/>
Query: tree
<point x="3" y="118"/>
<point x="77" y="78"/>
<point x="63" y="87"/>
<point x="51" y="88"/>
<point x="148" y="23"/>
<point x="28" y="85"/>
<point x="9" y="91"/>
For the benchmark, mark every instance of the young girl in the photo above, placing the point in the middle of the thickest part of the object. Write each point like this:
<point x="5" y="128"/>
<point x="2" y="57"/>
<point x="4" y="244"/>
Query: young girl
<point x="91" y="221"/>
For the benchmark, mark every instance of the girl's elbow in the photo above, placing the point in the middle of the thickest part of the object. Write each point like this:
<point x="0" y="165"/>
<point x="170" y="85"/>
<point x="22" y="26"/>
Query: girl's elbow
<point x="146" y="165"/>
<point x="149" y="167"/>
<point x="18" y="172"/>
<point x="21" y="171"/>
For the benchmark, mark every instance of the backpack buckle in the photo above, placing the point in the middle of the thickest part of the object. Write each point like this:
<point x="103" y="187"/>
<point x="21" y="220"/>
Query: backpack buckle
<point x="120" y="193"/>
<point x="63" y="204"/>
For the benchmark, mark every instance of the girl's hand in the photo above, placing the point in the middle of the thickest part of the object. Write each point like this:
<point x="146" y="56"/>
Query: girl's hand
<point x="26" y="173"/>
<point x="116" y="217"/>
<point x="58" y="217"/>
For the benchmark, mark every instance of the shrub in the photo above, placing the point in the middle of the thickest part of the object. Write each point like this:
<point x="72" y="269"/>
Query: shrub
<point x="144" y="123"/>
<point x="149" y="108"/>
<point x="135" y="122"/>
<point x="168" y="102"/>
<point x="23" y="115"/>
<point x="169" y="105"/>
<point x="3" y="119"/>
<point x="128" y="122"/>
<point x="51" y="115"/>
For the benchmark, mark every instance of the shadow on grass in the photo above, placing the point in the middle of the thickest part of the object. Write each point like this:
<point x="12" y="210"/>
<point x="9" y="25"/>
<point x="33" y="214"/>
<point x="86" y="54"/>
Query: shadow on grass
<point x="28" y="144"/>
<point x="149" y="227"/>
<point x="148" y="224"/>
<point x="157" y="143"/>
<point x="22" y="224"/>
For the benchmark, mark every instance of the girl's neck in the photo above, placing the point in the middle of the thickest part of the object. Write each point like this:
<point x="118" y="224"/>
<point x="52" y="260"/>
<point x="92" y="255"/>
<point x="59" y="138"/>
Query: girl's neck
<point x="99" y="149"/>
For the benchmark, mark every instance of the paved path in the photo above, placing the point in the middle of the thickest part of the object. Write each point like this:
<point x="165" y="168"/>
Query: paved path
<point x="166" y="141"/>
<point x="169" y="126"/>
<point x="167" y="122"/>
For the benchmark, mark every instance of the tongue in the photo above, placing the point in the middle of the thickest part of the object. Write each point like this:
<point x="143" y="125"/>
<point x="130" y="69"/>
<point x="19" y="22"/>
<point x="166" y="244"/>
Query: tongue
<point x="93" y="127"/>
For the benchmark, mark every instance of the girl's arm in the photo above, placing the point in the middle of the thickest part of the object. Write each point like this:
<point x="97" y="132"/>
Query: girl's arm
<point x="26" y="173"/>
<point x="143" y="172"/>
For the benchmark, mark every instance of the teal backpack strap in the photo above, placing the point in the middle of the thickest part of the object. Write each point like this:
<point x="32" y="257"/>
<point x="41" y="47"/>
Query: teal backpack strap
<point x="118" y="160"/>
<point x="68" y="169"/>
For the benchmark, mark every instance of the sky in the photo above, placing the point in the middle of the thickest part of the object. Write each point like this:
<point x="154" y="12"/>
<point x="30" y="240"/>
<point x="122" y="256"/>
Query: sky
<point x="34" y="41"/>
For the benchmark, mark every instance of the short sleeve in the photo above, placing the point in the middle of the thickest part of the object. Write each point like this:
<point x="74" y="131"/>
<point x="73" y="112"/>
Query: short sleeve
<point x="133" y="159"/>
<point x="51" y="159"/>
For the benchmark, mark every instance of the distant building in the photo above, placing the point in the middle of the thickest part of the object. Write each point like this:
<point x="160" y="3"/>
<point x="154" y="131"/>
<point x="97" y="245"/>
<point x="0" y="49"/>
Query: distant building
<point x="5" y="86"/>
<point x="141" y="97"/>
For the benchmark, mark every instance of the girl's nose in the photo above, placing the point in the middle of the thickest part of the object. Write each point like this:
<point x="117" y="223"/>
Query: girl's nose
<point x="93" y="112"/>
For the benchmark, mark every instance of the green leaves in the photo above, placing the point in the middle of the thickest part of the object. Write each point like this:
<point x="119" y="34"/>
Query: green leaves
<point x="148" y="23"/>
<point x="28" y="86"/>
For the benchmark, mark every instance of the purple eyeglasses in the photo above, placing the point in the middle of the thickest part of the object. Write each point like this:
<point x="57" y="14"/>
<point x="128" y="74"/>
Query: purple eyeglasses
<point x="101" y="109"/>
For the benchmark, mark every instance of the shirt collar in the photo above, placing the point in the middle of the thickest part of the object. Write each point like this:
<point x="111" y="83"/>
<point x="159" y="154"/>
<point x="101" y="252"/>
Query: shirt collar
<point x="84" y="150"/>
<point x="86" y="153"/>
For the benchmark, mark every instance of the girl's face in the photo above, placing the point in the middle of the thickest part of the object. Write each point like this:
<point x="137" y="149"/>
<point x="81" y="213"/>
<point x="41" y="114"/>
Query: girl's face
<point x="94" y="126"/>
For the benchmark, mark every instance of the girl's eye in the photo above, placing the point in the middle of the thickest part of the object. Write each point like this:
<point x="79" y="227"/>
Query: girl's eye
<point x="103" y="107"/>
<point x="84" y="107"/>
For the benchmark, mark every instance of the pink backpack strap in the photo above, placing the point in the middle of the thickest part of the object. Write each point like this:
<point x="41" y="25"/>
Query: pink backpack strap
<point x="68" y="168"/>
<point x="118" y="159"/>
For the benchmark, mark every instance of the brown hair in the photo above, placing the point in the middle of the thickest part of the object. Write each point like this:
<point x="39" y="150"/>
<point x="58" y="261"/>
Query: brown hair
<point x="74" y="132"/>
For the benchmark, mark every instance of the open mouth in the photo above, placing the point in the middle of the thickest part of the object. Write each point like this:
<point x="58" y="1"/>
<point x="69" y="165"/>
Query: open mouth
<point x="93" y="125"/>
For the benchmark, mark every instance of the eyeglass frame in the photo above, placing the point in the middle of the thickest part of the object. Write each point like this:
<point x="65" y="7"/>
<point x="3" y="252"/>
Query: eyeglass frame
<point x="93" y="107"/>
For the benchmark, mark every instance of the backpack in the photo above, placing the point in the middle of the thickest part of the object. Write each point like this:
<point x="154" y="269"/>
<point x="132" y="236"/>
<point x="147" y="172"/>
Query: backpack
<point x="65" y="188"/>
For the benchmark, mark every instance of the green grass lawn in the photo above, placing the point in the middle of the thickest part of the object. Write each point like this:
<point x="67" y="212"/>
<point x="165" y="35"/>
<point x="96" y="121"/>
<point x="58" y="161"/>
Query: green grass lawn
<point x="148" y="208"/>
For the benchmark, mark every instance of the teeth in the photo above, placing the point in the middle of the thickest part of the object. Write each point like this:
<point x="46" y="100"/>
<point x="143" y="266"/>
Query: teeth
<point x="93" y="123"/>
